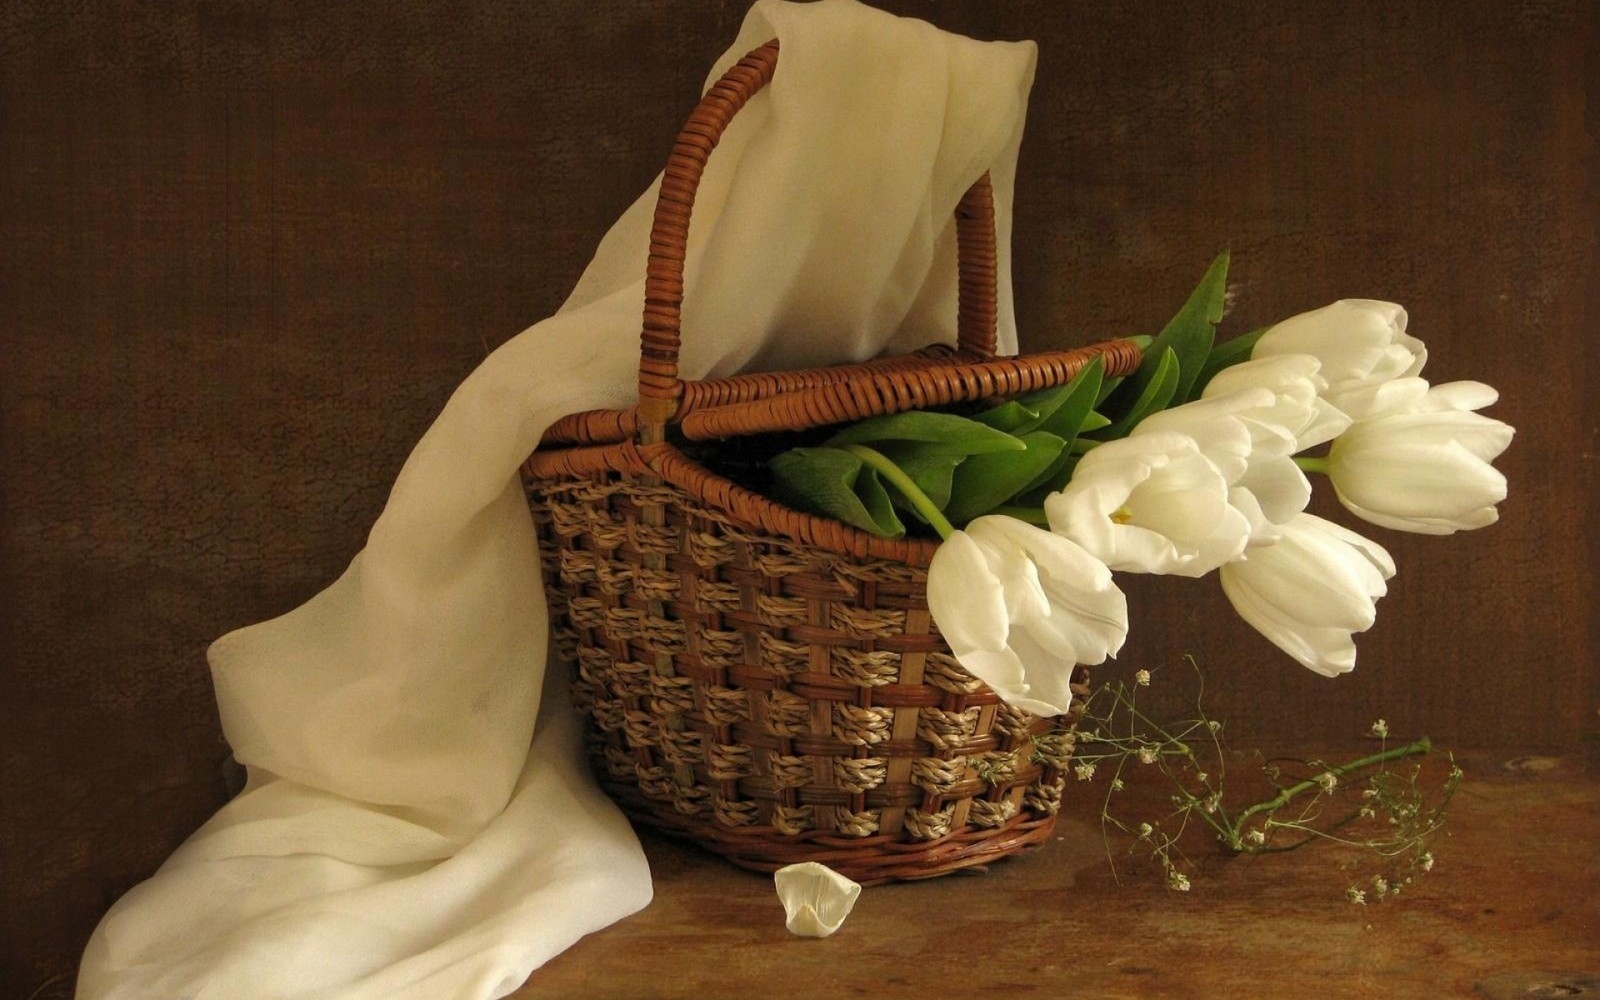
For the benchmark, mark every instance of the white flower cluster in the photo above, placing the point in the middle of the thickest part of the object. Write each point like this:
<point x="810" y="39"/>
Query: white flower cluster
<point x="1218" y="483"/>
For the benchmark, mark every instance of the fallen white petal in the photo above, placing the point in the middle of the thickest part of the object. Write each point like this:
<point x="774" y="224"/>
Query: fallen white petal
<point x="815" y="897"/>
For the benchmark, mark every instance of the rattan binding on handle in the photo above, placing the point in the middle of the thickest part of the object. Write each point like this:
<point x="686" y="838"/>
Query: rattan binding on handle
<point x="660" y="388"/>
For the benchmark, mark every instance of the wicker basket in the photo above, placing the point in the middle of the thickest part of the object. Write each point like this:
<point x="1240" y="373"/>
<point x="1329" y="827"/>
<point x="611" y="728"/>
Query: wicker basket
<point x="764" y="682"/>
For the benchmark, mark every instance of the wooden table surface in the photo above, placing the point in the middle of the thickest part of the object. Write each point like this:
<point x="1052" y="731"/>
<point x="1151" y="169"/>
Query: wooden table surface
<point x="1511" y="909"/>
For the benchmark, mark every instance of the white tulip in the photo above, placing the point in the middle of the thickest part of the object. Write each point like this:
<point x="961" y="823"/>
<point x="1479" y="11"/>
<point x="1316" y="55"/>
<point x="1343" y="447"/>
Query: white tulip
<point x="1361" y="343"/>
<point x="1227" y="429"/>
<point x="1311" y="591"/>
<point x="1020" y="606"/>
<point x="1297" y="386"/>
<point x="1422" y="464"/>
<point x="1154" y="503"/>
<point x="1250" y="434"/>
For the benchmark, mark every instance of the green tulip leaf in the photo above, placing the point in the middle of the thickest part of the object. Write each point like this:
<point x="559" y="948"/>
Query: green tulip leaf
<point x="1049" y="475"/>
<point x="1057" y="477"/>
<point x="1011" y="416"/>
<point x="1188" y="335"/>
<point x="1158" y="392"/>
<point x="1074" y="418"/>
<point x="984" y="482"/>
<point x="1076" y="403"/>
<point x="834" y="484"/>
<point x="1229" y="352"/>
<point x="954" y="435"/>
<point x="1030" y="412"/>
<point x="876" y="499"/>
<point x="930" y="467"/>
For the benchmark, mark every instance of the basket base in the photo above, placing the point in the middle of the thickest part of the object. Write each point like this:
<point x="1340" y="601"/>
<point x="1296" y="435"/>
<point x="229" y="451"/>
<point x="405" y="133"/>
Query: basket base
<point x="867" y="860"/>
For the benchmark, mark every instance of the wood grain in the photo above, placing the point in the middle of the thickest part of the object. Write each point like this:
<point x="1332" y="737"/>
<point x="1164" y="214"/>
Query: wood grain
<point x="1513" y="901"/>
<point x="248" y="247"/>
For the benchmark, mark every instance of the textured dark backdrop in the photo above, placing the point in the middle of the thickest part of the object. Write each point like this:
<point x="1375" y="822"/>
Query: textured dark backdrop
<point x="249" y="248"/>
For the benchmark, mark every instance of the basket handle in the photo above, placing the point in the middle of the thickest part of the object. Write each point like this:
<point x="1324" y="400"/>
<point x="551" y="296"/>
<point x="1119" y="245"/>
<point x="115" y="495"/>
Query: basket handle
<point x="659" y="385"/>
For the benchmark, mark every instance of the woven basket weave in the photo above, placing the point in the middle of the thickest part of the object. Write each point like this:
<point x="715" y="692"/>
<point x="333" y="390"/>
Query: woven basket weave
<point x="767" y="683"/>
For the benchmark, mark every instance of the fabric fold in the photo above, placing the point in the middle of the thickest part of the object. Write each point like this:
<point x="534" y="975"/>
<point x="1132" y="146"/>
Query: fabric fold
<point x="407" y="831"/>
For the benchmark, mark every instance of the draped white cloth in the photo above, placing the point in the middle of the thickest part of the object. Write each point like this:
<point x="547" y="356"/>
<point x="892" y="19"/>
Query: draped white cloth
<point x="398" y="838"/>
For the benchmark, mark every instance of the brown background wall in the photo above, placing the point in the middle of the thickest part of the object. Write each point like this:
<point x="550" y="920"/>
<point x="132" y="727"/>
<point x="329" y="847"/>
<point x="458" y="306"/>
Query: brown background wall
<point x="249" y="248"/>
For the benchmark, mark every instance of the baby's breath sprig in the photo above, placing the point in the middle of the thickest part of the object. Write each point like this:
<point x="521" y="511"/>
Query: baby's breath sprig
<point x="1372" y="803"/>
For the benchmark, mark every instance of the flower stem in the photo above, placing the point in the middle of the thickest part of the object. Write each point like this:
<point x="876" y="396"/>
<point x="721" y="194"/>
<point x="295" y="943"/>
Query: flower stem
<point x="1312" y="463"/>
<point x="1282" y="799"/>
<point x="908" y="489"/>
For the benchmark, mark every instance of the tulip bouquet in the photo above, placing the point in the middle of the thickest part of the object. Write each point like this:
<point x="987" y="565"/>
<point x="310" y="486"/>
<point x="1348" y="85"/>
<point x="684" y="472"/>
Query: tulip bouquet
<point x="1195" y="463"/>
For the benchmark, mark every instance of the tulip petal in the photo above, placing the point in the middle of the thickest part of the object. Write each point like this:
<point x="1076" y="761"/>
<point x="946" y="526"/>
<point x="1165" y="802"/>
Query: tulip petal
<point x="1311" y="591"/>
<point x="816" y="899"/>
<point x="1019" y="578"/>
<point x="1369" y="400"/>
<point x="1466" y="395"/>
<point x="1048" y="678"/>
<point x="1309" y="580"/>
<point x="1279" y="487"/>
<point x="1276" y="370"/>
<point x="1484" y="436"/>
<point x="1056" y="555"/>
<point x="1083" y="626"/>
<point x="1326" y="423"/>
<point x="1465" y="521"/>
<point x="1351" y="337"/>
<point x="1329" y="652"/>
<point x="1003" y="671"/>
<point x="1437" y="482"/>
<point x="1361" y="345"/>
<point x="1391" y="314"/>
<point x="1150" y="503"/>
<point x="1020" y="607"/>
<point x="1297" y="410"/>
<point x="1376" y="555"/>
<point x="965" y="597"/>
<point x="1262" y="530"/>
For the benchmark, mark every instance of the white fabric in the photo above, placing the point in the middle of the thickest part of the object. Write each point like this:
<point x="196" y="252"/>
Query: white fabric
<point x="397" y="837"/>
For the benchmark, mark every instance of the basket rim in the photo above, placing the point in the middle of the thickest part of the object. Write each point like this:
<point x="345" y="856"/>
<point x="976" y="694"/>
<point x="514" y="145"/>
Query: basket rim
<point x="761" y="402"/>
<point x="741" y="507"/>
<point x="861" y="392"/>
